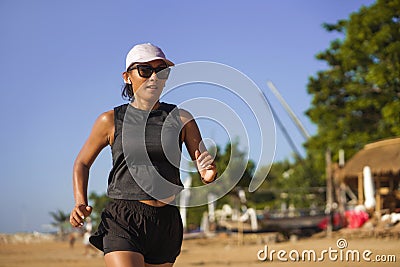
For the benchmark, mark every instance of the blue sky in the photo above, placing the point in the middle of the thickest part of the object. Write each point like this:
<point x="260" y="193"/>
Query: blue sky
<point x="61" y="65"/>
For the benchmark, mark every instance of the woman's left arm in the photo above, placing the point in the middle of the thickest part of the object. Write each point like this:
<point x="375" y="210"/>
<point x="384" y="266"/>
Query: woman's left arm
<point x="198" y="152"/>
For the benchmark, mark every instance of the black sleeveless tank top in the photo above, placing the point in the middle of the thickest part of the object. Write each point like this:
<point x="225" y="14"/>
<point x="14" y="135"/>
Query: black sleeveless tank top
<point x="146" y="153"/>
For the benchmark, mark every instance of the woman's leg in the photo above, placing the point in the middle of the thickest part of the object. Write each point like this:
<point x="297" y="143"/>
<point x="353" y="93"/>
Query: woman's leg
<point x="124" y="259"/>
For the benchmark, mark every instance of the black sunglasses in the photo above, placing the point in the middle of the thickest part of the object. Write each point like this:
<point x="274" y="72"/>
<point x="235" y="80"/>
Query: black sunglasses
<point x="145" y="71"/>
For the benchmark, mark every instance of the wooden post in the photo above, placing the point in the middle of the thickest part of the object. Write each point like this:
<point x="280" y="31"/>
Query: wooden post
<point x="391" y="184"/>
<point x="341" y="196"/>
<point x="360" y="189"/>
<point x="378" y="196"/>
<point x="240" y="233"/>
<point x="329" y="196"/>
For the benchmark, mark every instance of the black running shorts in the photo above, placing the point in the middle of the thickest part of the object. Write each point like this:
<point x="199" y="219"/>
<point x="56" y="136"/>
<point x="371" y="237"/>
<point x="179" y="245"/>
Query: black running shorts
<point x="128" y="225"/>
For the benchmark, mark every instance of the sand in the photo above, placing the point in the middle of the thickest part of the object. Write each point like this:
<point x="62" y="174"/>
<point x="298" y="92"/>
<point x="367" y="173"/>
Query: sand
<point x="221" y="250"/>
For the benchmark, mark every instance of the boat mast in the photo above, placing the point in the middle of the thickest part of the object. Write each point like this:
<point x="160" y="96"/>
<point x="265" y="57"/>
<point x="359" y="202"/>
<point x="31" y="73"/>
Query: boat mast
<point x="285" y="105"/>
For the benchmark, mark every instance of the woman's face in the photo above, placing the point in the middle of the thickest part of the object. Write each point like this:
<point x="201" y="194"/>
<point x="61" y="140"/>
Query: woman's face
<point x="148" y="89"/>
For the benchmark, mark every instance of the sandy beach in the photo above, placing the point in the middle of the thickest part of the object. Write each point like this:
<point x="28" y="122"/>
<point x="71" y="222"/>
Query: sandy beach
<point x="221" y="250"/>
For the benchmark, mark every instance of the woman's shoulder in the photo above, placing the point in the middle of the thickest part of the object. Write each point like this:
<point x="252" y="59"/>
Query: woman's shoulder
<point x="106" y="118"/>
<point x="107" y="114"/>
<point x="185" y="115"/>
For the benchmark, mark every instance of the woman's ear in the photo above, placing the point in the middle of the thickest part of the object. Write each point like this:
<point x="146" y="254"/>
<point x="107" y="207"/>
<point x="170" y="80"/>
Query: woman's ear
<point x="126" y="78"/>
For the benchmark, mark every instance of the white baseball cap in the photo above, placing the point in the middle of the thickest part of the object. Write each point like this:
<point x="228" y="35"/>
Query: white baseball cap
<point x="144" y="53"/>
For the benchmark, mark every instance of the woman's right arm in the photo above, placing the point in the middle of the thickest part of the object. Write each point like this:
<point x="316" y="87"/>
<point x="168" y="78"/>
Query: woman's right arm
<point x="102" y="134"/>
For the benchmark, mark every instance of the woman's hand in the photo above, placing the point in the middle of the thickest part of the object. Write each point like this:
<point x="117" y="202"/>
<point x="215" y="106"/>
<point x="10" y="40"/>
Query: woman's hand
<point x="206" y="167"/>
<point x="78" y="214"/>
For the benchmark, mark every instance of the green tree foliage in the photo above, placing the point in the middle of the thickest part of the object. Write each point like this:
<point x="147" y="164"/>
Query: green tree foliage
<point x="356" y="100"/>
<point x="294" y="180"/>
<point x="230" y="161"/>
<point x="60" y="221"/>
<point x="98" y="203"/>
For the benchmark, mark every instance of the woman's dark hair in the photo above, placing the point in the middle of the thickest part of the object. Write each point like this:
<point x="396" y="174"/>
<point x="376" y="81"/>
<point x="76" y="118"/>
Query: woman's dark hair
<point x="127" y="92"/>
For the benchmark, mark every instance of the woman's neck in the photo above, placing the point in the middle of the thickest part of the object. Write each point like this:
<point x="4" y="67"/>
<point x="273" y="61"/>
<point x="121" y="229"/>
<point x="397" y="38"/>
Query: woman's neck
<point x="145" y="105"/>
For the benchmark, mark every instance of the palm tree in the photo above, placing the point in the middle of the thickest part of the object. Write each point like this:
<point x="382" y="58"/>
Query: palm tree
<point x="60" y="220"/>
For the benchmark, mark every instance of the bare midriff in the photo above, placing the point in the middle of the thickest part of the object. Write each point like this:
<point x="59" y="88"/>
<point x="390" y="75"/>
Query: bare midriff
<point x="158" y="203"/>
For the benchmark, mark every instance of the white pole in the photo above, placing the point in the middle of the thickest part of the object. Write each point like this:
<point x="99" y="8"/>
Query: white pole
<point x="368" y="188"/>
<point x="211" y="206"/>
<point x="293" y="116"/>
<point x="184" y="200"/>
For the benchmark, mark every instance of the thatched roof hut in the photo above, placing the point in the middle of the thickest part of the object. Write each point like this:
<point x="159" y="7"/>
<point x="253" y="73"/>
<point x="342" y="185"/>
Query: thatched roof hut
<point x="383" y="158"/>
